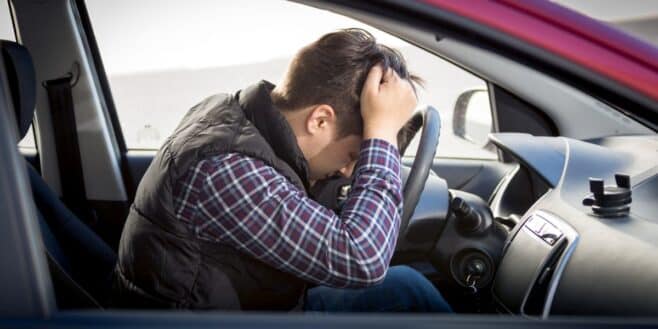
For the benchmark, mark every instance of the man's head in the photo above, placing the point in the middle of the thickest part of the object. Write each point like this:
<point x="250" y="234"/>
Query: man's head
<point x="320" y="96"/>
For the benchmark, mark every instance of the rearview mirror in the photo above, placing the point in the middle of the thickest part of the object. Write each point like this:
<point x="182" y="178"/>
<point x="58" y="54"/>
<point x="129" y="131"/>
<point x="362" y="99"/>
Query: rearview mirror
<point x="471" y="118"/>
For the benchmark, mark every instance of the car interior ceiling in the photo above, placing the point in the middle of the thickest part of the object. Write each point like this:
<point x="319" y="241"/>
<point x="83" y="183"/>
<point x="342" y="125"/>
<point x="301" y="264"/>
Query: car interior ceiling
<point x="80" y="262"/>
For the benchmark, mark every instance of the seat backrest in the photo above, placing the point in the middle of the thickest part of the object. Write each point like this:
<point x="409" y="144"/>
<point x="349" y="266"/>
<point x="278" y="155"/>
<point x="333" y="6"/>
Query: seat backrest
<point x="72" y="247"/>
<point x="22" y="83"/>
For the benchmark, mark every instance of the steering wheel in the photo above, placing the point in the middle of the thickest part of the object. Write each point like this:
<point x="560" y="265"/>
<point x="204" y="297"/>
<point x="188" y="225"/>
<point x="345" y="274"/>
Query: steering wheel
<point x="430" y="121"/>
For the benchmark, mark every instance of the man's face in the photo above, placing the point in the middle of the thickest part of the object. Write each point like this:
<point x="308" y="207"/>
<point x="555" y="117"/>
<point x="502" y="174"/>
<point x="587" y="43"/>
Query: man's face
<point x="326" y="151"/>
<point x="334" y="155"/>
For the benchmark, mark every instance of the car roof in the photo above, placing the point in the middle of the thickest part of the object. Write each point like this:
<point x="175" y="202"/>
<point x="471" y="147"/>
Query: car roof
<point x="575" y="37"/>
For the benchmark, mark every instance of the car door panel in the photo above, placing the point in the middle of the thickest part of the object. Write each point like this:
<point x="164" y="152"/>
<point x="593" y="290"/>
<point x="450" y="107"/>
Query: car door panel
<point x="138" y="162"/>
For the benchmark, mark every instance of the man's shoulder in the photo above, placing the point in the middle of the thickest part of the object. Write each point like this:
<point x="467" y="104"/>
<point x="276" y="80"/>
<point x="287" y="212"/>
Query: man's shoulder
<point x="236" y="165"/>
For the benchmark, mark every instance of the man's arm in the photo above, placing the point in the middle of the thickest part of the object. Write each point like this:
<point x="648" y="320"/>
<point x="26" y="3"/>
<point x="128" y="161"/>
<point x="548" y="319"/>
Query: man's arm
<point x="244" y="203"/>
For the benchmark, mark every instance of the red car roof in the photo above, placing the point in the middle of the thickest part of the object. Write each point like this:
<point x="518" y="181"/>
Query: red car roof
<point x="580" y="39"/>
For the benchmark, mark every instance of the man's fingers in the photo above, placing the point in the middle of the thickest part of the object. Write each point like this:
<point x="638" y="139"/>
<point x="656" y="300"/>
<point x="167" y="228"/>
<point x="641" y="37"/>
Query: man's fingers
<point x="388" y="76"/>
<point x="373" y="79"/>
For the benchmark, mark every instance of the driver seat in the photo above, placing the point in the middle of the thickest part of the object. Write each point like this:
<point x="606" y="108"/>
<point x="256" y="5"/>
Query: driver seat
<point x="80" y="262"/>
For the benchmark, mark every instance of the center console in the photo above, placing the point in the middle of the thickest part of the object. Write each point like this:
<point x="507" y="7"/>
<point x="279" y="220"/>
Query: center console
<point x="534" y="258"/>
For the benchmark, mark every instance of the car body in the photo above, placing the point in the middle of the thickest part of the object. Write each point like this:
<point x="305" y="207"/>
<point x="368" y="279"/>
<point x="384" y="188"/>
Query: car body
<point x="571" y="98"/>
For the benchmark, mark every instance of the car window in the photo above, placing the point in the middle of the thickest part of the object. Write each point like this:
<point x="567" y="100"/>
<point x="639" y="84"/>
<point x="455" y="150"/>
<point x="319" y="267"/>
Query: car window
<point x="163" y="57"/>
<point x="6" y="28"/>
<point x="7" y="33"/>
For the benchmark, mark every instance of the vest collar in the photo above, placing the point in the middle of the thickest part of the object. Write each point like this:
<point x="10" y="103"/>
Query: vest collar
<point x="258" y="108"/>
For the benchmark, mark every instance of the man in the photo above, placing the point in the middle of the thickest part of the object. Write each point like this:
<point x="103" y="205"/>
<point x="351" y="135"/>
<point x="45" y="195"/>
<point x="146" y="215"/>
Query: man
<point x="222" y="219"/>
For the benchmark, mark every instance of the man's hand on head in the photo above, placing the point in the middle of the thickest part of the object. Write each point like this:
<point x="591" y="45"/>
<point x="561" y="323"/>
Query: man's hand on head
<point x="387" y="102"/>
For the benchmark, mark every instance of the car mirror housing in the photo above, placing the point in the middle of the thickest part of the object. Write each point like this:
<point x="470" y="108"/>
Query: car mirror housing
<point x="471" y="118"/>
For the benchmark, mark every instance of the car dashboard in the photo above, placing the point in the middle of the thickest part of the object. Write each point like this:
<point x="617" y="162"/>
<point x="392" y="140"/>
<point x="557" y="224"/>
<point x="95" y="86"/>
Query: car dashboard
<point x="587" y="245"/>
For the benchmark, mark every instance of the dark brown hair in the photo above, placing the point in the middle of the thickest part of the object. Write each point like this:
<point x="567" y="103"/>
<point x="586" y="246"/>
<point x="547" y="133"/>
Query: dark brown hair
<point x="332" y="71"/>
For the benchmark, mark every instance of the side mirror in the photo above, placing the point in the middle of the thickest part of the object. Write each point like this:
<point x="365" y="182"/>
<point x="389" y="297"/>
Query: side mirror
<point x="471" y="119"/>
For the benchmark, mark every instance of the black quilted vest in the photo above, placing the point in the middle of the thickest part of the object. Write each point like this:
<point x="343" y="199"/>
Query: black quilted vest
<point x="162" y="264"/>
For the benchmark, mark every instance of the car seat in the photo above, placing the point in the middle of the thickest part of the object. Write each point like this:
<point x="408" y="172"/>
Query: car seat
<point x="80" y="262"/>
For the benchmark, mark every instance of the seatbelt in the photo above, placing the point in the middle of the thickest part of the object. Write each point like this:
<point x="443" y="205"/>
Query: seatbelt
<point x="69" y="161"/>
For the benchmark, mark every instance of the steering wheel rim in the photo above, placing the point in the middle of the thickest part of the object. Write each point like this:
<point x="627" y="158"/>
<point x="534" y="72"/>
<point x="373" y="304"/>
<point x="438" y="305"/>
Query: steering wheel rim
<point x="430" y="121"/>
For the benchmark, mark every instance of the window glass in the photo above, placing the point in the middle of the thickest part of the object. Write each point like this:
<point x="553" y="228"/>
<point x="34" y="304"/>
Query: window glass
<point x="28" y="141"/>
<point x="7" y="33"/>
<point x="6" y="28"/>
<point x="164" y="57"/>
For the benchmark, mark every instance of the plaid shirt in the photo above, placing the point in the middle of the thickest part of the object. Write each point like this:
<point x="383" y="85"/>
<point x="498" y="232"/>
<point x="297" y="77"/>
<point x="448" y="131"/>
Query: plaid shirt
<point x="242" y="202"/>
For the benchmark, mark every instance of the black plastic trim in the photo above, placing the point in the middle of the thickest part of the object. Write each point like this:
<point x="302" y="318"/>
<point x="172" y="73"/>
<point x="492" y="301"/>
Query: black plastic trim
<point x="545" y="126"/>
<point x="169" y="319"/>
<point x="13" y="20"/>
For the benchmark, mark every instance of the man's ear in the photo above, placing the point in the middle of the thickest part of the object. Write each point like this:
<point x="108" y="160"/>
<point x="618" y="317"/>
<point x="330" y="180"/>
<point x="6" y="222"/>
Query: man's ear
<point x="321" y="118"/>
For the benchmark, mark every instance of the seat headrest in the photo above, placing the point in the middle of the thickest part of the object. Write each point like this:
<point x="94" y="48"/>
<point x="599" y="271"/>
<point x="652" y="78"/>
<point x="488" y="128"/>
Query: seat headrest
<point x="22" y="83"/>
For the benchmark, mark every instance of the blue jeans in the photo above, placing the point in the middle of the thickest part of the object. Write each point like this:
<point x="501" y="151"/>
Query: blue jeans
<point x="403" y="290"/>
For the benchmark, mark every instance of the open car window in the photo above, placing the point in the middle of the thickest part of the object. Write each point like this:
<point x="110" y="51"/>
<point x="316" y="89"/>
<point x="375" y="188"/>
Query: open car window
<point x="165" y="57"/>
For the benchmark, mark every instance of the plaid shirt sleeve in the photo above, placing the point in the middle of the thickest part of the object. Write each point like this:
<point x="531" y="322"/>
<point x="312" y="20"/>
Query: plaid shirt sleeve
<point x="242" y="202"/>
